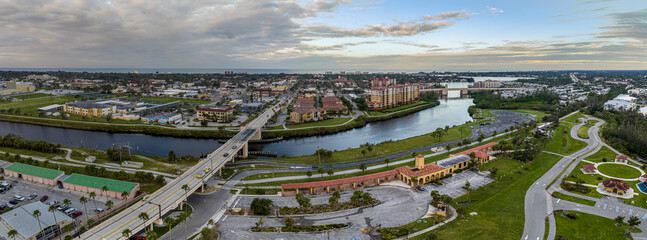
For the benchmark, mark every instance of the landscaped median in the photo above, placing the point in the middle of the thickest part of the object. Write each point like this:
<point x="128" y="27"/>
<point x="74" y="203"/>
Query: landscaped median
<point x="578" y="225"/>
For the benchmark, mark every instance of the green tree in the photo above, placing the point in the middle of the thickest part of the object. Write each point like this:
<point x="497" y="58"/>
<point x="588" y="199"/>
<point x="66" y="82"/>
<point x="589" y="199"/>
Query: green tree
<point x="387" y="161"/>
<point x="414" y="180"/>
<point x="309" y="174"/>
<point x="321" y="171"/>
<point x="330" y="172"/>
<point x="493" y="172"/>
<point x="261" y="206"/>
<point x="12" y="234"/>
<point x="93" y="196"/>
<point x="171" y="156"/>
<point x="37" y="215"/>
<point x="109" y="204"/>
<point x="633" y="221"/>
<point x="52" y="209"/>
<point x="84" y="201"/>
<point x="125" y="195"/>
<point x="184" y="216"/>
<point x="169" y="222"/>
<point x="144" y="217"/>
<point x="150" y="234"/>
<point x="126" y="233"/>
<point x="186" y="189"/>
<point x="104" y="190"/>
<point x="289" y="222"/>
<point x="363" y="152"/>
<point x="619" y="219"/>
<point x="362" y="166"/>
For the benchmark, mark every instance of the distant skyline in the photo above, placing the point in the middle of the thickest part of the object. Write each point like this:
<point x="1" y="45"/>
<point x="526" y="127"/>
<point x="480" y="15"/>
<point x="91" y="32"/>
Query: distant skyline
<point x="364" y="35"/>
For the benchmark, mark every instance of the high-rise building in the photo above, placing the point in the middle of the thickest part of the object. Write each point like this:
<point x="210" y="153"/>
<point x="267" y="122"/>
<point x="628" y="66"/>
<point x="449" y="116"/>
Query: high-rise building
<point x="487" y="84"/>
<point x="386" y="93"/>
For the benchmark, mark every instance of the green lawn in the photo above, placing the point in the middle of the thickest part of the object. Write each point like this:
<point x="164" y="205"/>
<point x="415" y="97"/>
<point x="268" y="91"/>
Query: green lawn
<point x="499" y="205"/>
<point x="576" y="175"/>
<point x="483" y="113"/>
<point x="583" y="132"/>
<point x="589" y="227"/>
<point x="503" y="164"/>
<point x="538" y="114"/>
<point x="619" y="170"/>
<point x="562" y="141"/>
<point x="385" y="148"/>
<point x="184" y="100"/>
<point x="323" y="123"/>
<point x="574" y="199"/>
<point x="32" y="95"/>
<point x="31" y="106"/>
<point x="395" y="109"/>
<point x="575" y="117"/>
<point x="603" y="153"/>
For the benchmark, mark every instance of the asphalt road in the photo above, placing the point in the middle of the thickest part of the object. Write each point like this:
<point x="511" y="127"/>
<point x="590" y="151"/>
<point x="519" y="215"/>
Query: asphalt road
<point x="538" y="201"/>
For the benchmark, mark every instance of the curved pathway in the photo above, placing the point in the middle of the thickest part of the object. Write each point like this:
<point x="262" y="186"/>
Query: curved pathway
<point x="538" y="201"/>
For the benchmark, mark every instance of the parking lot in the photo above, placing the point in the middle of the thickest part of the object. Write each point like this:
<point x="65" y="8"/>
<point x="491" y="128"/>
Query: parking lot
<point x="26" y="188"/>
<point x="453" y="186"/>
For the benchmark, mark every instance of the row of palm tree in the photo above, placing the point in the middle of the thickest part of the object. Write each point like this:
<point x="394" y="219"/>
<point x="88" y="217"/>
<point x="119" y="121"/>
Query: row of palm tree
<point x="150" y="233"/>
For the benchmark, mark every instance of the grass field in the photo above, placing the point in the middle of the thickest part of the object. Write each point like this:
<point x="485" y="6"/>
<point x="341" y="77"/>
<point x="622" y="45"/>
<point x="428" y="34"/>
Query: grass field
<point x="574" y="118"/>
<point x="538" y="114"/>
<point x="574" y="199"/>
<point x="562" y="141"/>
<point x="32" y="95"/>
<point x="618" y="170"/>
<point x="386" y="148"/>
<point x="500" y="205"/>
<point x="503" y="164"/>
<point x="395" y="109"/>
<point x="31" y="106"/>
<point x="604" y="153"/>
<point x="327" y="122"/>
<point x="184" y="100"/>
<point x="583" y="132"/>
<point x="589" y="227"/>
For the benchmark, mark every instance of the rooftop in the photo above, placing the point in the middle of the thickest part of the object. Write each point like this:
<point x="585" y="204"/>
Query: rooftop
<point x="416" y="172"/>
<point x="616" y="183"/>
<point x="22" y="220"/>
<point x="448" y="162"/>
<point x="338" y="181"/>
<point x="34" y="171"/>
<point x="98" y="183"/>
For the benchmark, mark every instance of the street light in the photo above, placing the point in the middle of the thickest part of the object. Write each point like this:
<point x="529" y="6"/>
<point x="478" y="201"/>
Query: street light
<point x="158" y="206"/>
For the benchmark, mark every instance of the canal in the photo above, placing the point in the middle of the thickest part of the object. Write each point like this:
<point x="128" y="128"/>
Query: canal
<point x="448" y="113"/>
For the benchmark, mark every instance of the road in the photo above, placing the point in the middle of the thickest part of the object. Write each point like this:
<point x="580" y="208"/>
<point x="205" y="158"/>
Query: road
<point x="171" y="195"/>
<point x="538" y="201"/>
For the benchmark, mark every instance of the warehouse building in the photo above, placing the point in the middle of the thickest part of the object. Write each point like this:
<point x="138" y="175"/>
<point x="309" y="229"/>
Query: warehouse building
<point x="34" y="174"/>
<point x="22" y="220"/>
<point x="87" y="184"/>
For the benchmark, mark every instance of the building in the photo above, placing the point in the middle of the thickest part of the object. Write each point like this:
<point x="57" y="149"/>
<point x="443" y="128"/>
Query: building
<point x="385" y="93"/>
<point x="589" y="169"/>
<point x="487" y="84"/>
<point x="87" y="184"/>
<point x="480" y="152"/>
<point x="34" y="174"/>
<point x="251" y="107"/>
<point x="616" y="186"/>
<point x="333" y="105"/>
<point x="90" y="108"/>
<point x="22" y="220"/>
<point x="162" y="118"/>
<point x="215" y="114"/>
<point x="621" y="159"/>
<point x="17" y="87"/>
<point x="422" y="173"/>
<point x="619" y="105"/>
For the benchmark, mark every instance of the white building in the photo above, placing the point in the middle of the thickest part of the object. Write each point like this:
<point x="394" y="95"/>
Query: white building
<point x="22" y="220"/>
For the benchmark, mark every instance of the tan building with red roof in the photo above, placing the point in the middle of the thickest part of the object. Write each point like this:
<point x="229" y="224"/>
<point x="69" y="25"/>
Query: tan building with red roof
<point x="616" y="186"/>
<point x="215" y="114"/>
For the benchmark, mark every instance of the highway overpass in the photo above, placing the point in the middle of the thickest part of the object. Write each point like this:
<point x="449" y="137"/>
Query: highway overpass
<point x="465" y="91"/>
<point x="172" y="195"/>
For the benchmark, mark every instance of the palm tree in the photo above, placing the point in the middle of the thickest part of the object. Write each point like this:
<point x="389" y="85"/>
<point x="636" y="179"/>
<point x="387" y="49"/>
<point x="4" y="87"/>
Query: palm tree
<point x="84" y="200"/>
<point x="144" y="217"/>
<point x="150" y="234"/>
<point x="126" y="233"/>
<point x="184" y="216"/>
<point x="36" y="215"/>
<point x="124" y="195"/>
<point x="169" y="222"/>
<point x="104" y="189"/>
<point x="67" y="202"/>
<point x="12" y="234"/>
<point x="52" y="209"/>
<point x="93" y="195"/>
<point x="186" y="191"/>
<point x="109" y="204"/>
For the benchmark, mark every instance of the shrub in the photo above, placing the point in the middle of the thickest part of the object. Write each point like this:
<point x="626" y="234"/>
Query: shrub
<point x="261" y="206"/>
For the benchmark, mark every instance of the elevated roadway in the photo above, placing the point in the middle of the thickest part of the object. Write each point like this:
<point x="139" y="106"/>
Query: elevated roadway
<point x="172" y="195"/>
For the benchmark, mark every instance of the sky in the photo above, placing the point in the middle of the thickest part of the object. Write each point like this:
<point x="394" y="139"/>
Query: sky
<point x="349" y="35"/>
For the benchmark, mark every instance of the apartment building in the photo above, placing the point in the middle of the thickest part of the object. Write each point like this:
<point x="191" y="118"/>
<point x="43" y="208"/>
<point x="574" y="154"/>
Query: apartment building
<point x="386" y="93"/>
<point x="487" y="84"/>
<point x="17" y="87"/>
<point x="215" y="114"/>
<point x="90" y="108"/>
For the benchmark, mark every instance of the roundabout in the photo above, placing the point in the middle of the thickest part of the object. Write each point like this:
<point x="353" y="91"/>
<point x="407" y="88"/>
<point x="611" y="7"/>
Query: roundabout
<point x="619" y="171"/>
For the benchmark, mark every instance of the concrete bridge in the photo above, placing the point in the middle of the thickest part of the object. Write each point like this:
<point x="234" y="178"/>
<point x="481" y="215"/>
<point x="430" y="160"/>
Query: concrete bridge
<point x="465" y="91"/>
<point x="172" y="194"/>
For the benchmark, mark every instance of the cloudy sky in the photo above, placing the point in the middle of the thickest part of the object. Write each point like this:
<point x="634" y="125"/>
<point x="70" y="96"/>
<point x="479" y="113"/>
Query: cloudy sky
<point x="407" y="35"/>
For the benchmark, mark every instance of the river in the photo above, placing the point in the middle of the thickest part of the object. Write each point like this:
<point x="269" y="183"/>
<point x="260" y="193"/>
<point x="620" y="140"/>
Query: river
<point x="448" y="113"/>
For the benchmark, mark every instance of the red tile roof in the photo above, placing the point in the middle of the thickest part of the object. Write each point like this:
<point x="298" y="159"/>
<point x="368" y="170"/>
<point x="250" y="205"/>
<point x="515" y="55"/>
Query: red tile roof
<point x="476" y="149"/>
<point x="412" y="172"/>
<point x="338" y="181"/>
<point x="616" y="183"/>
<point x="621" y="157"/>
<point x="589" y="167"/>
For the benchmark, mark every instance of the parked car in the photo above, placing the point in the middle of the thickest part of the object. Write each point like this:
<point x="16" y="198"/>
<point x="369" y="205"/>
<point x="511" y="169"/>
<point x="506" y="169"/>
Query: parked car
<point x="99" y="210"/>
<point x="52" y="202"/>
<point x="19" y="198"/>
<point x="14" y="202"/>
<point x="44" y="198"/>
<point x="32" y="196"/>
<point x="76" y="214"/>
<point x="421" y="189"/>
<point x="70" y="210"/>
<point x="9" y="205"/>
<point x="63" y="208"/>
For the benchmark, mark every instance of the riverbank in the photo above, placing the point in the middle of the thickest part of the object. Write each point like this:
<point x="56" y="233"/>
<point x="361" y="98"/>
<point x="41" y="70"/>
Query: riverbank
<point x="158" y="130"/>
